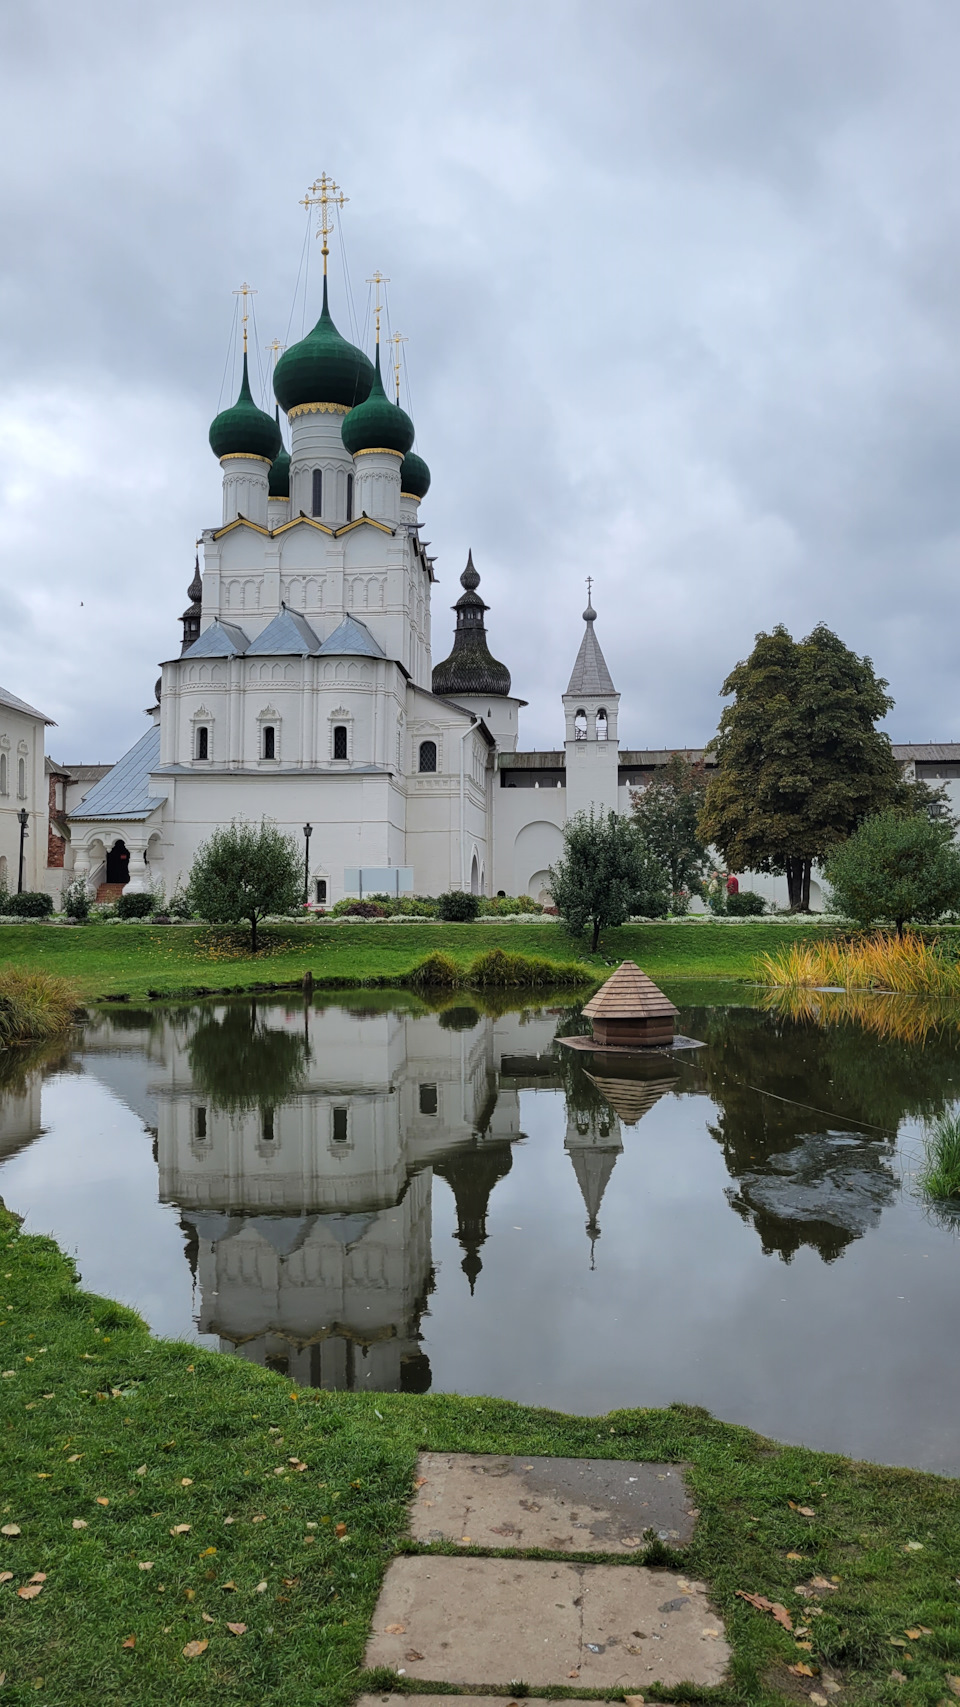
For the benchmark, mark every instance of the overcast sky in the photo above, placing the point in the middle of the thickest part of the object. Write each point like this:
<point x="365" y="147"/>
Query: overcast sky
<point x="680" y="279"/>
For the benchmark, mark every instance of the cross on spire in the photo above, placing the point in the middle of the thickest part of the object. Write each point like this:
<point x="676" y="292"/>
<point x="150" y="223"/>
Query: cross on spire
<point x="378" y="280"/>
<point x="397" y="340"/>
<point x="277" y="348"/>
<point x="326" y="195"/>
<point x="589" y="589"/>
<point x="245" y="291"/>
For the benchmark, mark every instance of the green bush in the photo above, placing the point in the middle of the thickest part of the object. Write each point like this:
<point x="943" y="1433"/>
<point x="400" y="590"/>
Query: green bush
<point x="30" y="904"/>
<point x="360" y="910"/>
<point x="458" y="906"/>
<point x="746" y="904"/>
<point x="504" y="906"/>
<point x="896" y="867"/>
<point x="437" y="969"/>
<point x="135" y="906"/>
<point x="498" y="967"/>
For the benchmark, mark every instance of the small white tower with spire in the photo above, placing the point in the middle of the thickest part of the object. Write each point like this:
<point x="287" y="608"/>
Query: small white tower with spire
<point x="590" y="706"/>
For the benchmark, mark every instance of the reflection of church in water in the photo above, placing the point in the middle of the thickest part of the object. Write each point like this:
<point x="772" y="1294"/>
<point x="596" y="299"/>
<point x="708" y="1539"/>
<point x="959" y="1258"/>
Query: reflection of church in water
<point x="307" y="1201"/>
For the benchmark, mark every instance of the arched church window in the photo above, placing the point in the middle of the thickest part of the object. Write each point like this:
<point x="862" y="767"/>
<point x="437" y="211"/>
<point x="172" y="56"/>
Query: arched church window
<point x="602" y="729"/>
<point x="317" y="491"/>
<point x="339" y="740"/>
<point x="3" y="773"/>
<point x="22" y="778"/>
<point x="269" y="741"/>
<point x="580" y="725"/>
<point x="428" y="755"/>
<point x="202" y="750"/>
<point x="349" y="497"/>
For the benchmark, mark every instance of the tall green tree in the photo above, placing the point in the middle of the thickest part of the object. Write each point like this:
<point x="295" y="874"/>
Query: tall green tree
<point x="667" y="813"/>
<point x="606" y="873"/>
<point x="898" y="866"/>
<point x="799" y="759"/>
<point x="244" y="872"/>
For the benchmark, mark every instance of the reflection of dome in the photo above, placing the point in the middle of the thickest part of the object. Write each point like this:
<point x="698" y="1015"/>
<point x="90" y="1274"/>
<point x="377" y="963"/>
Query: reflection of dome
<point x="322" y="368"/>
<point x="471" y="1176"/>
<point x="377" y="424"/>
<point x="414" y="475"/>
<point x="245" y="430"/>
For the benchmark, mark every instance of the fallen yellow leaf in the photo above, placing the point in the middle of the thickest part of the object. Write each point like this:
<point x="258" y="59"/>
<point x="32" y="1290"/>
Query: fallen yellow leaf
<point x="807" y="1645"/>
<point x="395" y="1630"/>
<point x="237" y="1629"/>
<point x="913" y="1634"/>
<point x="129" y="1642"/>
<point x="101" y="1500"/>
<point x="341" y="1529"/>
<point x="207" y="1552"/>
<point x="192" y="1649"/>
<point x="10" y="1529"/>
<point x="145" y="1565"/>
<point x="260" y="1587"/>
<point x="141" y="1470"/>
<point x="794" y="1555"/>
<point x="801" y="1670"/>
<point x="6" y="1576"/>
<point x="207" y="1618"/>
<point x="79" y="1523"/>
<point x="74" y="1457"/>
<point x="895" y="1642"/>
<point x="180" y="1529"/>
<point x="30" y="1591"/>
<point x="913" y="1547"/>
<point x="186" y="1481"/>
<point x="954" y="1684"/>
<point x="898" y="1677"/>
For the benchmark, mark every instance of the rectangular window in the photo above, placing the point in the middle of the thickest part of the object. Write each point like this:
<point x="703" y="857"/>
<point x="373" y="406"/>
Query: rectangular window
<point x="199" y="1123"/>
<point x="321" y="891"/>
<point x="428" y="1099"/>
<point x="349" y="497"/>
<point x="269" y="741"/>
<point x="340" y="1126"/>
<point x="203" y="742"/>
<point x="317" y="492"/>
<point x="340" y="741"/>
<point x="266" y="1126"/>
<point x="22" y="779"/>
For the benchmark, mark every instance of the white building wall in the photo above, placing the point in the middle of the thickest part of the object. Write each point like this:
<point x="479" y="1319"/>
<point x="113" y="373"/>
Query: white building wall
<point x="23" y="786"/>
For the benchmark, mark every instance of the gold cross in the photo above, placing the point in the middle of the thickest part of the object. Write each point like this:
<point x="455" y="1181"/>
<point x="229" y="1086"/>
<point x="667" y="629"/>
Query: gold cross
<point x="378" y="279"/>
<point x="398" y="339"/>
<point x="277" y="349"/>
<point x="245" y="291"/>
<point x="325" y="194"/>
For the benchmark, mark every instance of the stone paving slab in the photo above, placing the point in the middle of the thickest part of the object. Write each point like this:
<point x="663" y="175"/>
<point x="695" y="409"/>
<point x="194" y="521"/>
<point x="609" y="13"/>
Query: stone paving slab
<point x="498" y="1621"/>
<point x="582" y="1505"/>
<point x="469" y="1701"/>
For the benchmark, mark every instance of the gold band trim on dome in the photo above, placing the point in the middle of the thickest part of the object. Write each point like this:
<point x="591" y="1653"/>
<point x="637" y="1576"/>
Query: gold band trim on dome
<point x="317" y="409"/>
<point x="414" y="495"/>
<point x="245" y="456"/>
<point x="380" y="450"/>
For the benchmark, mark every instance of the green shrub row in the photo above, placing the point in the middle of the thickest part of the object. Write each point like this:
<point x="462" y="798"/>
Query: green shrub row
<point x="497" y="969"/>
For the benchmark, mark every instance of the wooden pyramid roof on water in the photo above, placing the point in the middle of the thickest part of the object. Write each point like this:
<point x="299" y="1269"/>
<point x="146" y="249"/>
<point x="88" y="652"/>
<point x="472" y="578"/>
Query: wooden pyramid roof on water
<point x="628" y="994"/>
<point x="631" y="1099"/>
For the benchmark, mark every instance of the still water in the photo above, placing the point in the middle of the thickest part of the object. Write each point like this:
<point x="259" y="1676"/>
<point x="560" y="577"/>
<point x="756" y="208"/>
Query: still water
<point x="393" y="1199"/>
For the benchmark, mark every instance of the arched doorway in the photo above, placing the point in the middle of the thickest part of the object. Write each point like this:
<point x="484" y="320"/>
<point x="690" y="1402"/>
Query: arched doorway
<point x="118" y="863"/>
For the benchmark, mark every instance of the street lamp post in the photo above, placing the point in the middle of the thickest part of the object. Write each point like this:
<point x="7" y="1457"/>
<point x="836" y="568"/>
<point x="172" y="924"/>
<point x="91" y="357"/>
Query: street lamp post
<point x="23" y="818"/>
<point x="307" y="833"/>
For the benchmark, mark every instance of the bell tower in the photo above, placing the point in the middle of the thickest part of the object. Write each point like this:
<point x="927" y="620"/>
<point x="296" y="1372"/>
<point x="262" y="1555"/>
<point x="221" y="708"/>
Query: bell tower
<point x="590" y="707"/>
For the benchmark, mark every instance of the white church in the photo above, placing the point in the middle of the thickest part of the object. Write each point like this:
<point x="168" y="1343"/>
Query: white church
<point x="304" y="689"/>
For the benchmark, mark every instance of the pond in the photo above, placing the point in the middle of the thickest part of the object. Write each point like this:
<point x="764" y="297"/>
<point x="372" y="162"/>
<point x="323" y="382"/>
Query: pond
<point x="362" y="1193"/>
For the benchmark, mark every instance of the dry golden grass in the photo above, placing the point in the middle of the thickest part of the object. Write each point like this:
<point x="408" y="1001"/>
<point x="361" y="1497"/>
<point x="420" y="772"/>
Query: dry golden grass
<point x="908" y="965"/>
<point x="34" y="1007"/>
<point x="900" y="1019"/>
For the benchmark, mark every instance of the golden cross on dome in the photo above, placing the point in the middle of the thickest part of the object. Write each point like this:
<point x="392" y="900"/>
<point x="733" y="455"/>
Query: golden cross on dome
<point x="378" y="280"/>
<point x="245" y="291"/>
<point x="397" y="340"/>
<point x="277" y="349"/>
<point x="325" y="194"/>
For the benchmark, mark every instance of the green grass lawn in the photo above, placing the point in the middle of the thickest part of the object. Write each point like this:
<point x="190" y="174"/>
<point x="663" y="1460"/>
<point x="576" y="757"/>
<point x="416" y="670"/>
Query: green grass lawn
<point x="109" y="959"/>
<point x="157" y="1494"/>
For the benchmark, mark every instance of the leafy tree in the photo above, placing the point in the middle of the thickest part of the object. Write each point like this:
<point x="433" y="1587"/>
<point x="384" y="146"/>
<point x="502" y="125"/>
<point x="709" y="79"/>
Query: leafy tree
<point x="606" y="873"/>
<point x="896" y="866"/>
<point x="667" y="812"/>
<point x="800" y="762"/>
<point x="239" y="1063"/>
<point x="245" y="872"/>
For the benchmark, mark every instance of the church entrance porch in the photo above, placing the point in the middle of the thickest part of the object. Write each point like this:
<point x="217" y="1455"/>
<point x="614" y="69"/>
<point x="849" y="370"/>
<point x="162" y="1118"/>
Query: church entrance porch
<point x="118" y="866"/>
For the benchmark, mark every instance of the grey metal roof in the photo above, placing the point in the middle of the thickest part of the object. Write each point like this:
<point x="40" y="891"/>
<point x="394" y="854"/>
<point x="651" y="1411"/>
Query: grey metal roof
<point x="289" y="632"/>
<point x="16" y="704"/>
<point x="928" y="751"/>
<point x="352" y="639"/>
<point x="220" y="640"/>
<point x="590" y="674"/>
<point x="123" y="792"/>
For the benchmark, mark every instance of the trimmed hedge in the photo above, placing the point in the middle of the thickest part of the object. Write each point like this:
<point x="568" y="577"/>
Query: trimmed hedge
<point x="30" y="904"/>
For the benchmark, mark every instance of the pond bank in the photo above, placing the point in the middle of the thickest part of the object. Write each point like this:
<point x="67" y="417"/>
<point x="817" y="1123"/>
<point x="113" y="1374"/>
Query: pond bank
<point x="131" y="960"/>
<point x="165" y="1493"/>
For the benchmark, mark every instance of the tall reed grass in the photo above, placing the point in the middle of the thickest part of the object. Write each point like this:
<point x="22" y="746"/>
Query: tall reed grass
<point x="34" y="1007"/>
<point x="909" y="965"/>
<point x="938" y="1177"/>
<point x="905" y="1019"/>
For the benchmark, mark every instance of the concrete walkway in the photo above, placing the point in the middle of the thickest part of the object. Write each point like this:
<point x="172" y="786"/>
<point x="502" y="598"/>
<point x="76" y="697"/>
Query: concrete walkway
<point x="496" y="1622"/>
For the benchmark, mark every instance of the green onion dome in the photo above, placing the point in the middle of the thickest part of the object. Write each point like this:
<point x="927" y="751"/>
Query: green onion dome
<point x="377" y="424"/>
<point x="278" y="480"/>
<point x="245" y="430"/>
<point x="322" y="368"/>
<point x="414" y="475"/>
